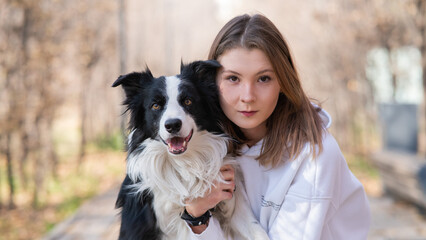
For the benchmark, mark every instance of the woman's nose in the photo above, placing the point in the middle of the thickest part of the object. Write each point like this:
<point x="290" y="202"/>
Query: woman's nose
<point x="247" y="93"/>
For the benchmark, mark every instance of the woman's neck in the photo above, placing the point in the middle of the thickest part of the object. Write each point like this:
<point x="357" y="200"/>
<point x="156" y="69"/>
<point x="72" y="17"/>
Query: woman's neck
<point x="254" y="135"/>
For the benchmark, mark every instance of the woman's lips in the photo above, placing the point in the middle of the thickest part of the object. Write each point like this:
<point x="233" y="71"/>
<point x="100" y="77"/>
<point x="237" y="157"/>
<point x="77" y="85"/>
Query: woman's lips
<point x="248" y="113"/>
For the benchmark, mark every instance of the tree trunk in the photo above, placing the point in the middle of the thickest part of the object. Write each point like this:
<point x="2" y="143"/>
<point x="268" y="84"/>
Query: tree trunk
<point x="52" y="155"/>
<point x="25" y="144"/>
<point x="421" y="5"/>
<point x="392" y="71"/>
<point x="423" y="51"/>
<point x="41" y="158"/>
<point x="9" y="162"/>
<point x="83" y="122"/>
<point x="122" y="52"/>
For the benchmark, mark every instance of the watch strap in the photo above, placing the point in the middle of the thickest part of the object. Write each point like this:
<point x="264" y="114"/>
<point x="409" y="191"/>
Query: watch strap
<point x="196" y="221"/>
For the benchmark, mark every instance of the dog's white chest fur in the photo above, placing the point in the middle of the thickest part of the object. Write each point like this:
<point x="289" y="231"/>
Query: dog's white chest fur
<point x="175" y="178"/>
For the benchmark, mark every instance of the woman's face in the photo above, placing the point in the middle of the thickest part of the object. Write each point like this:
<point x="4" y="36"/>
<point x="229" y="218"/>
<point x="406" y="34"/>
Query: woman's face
<point x="248" y="88"/>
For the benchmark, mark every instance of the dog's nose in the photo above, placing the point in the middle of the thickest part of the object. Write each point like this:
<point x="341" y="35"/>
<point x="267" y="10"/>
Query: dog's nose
<point x="173" y="125"/>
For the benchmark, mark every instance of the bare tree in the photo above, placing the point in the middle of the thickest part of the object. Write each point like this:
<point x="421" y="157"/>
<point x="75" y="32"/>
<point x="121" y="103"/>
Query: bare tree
<point x="32" y="91"/>
<point x="420" y="19"/>
<point x="94" y="48"/>
<point x="122" y="48"/>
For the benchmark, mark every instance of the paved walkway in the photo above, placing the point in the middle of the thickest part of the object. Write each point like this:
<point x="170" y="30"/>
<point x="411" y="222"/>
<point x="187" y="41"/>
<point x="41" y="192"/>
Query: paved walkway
<point x="97" y="219"/>
<point x="396" y="220"/>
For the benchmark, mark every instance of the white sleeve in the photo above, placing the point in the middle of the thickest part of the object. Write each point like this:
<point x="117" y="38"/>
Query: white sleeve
<point x="212" y="232"/>
<point x="349" y="215"/>
<point x="324" y="202"/>
<point x="351" y="220"/>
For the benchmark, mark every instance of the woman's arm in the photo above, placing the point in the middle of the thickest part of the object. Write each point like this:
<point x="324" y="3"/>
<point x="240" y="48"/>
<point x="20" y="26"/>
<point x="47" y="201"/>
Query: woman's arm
<point x="220" y="191"/>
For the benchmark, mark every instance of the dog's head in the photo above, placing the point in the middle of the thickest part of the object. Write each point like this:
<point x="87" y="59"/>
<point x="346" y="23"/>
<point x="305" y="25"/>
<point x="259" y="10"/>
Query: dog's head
<point x="171" y="109"/>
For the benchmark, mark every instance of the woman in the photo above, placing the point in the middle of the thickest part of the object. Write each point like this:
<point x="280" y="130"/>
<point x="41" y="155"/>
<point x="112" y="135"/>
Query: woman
<point x="296" y="179"/>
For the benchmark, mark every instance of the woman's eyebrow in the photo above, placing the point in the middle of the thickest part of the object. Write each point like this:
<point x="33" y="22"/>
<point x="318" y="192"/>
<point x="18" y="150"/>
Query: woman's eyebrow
<point x="230" y="71"/>
<point x="265" y="71"/>
<point x="236" y="73"/>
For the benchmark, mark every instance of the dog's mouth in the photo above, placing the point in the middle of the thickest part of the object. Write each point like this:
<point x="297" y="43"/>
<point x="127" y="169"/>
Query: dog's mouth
<point x="178" y="145"/>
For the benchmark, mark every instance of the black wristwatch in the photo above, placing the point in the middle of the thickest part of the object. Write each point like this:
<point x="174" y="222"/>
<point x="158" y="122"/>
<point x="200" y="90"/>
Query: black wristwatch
<point x="196" y="221"/>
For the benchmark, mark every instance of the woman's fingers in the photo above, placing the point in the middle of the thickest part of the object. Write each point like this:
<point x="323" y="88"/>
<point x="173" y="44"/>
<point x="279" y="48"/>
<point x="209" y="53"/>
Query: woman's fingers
<point x="227" y="168"/>
<point x="228" y="172"/>
<point x="227" y="186"/>
<point x="223" y="191"/>
<point x="226" y="195"/>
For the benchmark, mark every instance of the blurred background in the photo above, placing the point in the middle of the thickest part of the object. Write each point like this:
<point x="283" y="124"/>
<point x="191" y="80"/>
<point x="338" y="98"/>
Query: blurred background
<point x="61" y="140"/>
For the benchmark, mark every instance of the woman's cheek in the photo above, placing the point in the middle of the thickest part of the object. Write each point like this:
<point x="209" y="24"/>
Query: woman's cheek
<point x="226" y="100"/>
<point x="227" y="94"/>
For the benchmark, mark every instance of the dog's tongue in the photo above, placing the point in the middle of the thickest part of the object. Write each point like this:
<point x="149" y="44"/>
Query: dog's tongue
<point x="176" y="143"/>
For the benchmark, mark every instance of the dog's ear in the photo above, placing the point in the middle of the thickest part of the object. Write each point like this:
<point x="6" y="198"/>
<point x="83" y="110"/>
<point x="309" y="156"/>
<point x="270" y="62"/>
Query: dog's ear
<point x="203" y="75"/>
<point x="132" y="83"/>
<point x="182" y="66"/>
<point x="210" y="64"/>
<point x="201" y="69"/>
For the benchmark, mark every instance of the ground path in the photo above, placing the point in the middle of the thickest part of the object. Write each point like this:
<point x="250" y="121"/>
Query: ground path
<point x="96" y="219"/>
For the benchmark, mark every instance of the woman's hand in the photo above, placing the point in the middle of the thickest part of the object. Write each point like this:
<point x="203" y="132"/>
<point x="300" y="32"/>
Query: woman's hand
<point x="221" y="191"/>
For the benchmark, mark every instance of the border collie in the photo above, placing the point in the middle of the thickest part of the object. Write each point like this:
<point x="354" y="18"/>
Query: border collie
<point x="176" y="148"/>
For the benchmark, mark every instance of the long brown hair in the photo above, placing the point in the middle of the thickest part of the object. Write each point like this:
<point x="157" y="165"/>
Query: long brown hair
<point x="295" y="121"/>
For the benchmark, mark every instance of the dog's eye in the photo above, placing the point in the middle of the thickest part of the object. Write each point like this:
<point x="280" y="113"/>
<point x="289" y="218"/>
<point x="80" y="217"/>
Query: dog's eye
<point x="155" y="106"/>
<point x="188" y="102"/>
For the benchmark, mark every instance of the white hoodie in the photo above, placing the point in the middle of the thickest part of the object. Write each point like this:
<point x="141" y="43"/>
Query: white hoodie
<point x="304" y="198"/>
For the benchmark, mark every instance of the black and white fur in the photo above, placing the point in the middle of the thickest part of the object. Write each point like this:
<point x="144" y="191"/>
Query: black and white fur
<point x="175" y="151"/>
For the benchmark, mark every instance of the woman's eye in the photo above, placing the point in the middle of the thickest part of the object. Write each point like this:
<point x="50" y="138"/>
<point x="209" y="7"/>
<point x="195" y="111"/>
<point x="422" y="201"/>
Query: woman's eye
<point x="232" y="78"/>
<point x="155" y="106"/>
<point x="264" y="79"/>
<point x="188" y="102"/>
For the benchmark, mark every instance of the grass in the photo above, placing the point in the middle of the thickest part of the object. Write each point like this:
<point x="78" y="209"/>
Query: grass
<point x="366" y="173"/>
<point x="360" y="165"/>
<point x="113" y="142"/>
<point x="100" y="171"/>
